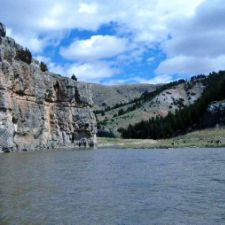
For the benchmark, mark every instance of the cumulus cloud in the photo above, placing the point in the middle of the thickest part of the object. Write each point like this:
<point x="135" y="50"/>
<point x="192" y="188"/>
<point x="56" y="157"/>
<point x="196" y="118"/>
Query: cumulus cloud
<point x="160" y="79"/>
<point x="87" y="71"/>
<point x="186" y="65"/>
<point x="92" y="72"/>
<point x="97" y="47"/>
<point x="33" y="43"/>
<point x="144" y="19"/>
<point x="89" y="56"/>
<point x="44" y="16"/>
<point x="189" y="32"/>
<point x="197" y="43"/>
<point x="88" y="8"/>
<point x="53" y="67"/>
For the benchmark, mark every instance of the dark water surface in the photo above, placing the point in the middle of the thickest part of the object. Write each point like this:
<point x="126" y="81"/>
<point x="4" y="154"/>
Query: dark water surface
<point x="118" y="187"/>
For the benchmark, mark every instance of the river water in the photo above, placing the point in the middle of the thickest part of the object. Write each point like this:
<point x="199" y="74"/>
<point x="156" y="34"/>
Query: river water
<point x="113" y="186"/>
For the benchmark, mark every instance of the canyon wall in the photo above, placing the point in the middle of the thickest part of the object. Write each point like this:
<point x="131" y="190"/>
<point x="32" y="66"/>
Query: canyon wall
<point x="41" y="110"/>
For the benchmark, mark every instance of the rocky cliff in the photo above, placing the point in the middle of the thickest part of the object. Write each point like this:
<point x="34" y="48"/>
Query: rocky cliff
<point x="40" y="110"/>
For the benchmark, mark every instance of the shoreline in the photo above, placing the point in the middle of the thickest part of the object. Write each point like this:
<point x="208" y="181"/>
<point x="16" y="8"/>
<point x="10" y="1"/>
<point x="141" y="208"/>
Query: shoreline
<point x="209" y="138"/>
<point x="156" y="147"/>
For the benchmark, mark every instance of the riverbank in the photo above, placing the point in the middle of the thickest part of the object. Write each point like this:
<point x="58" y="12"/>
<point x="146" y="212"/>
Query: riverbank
<point x="204" y="138"/>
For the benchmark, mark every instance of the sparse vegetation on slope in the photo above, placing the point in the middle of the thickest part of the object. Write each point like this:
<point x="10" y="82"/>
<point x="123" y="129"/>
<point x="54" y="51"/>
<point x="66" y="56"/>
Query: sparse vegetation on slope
<point x="108" y="97"/>
<point x="24" y="55"/>
<point x="159" y="102"/>
<point x="137" y="102"/>
<point x="187" y="118"/>
<point x="43" y="67"/>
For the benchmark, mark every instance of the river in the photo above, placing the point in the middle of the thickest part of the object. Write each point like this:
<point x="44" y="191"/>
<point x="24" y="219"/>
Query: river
<point x="113" y="187"/>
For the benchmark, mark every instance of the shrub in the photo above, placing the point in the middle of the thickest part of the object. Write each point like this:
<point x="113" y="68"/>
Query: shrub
<point x="43" y="67"/>
<point x="121" y="112"/>
<point x="24" y="55"/>
<point x="73" y="77"/>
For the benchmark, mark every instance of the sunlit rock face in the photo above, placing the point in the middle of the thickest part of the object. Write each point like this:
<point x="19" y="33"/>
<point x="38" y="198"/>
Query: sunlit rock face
<point x="41" y="110"/>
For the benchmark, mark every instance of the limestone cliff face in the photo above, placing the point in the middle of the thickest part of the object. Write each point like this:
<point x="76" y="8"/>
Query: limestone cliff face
<point x="40" y="109"/>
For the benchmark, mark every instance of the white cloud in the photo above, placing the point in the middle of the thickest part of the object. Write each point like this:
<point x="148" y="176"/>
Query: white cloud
<point x="191" y="65"/>
<point x="197" y="43"/>
<point x="88" y="8"/>
<point x="195" y="28"/>
<point x="159" y="79"/>
<point x="87" y="56"/>
<point x="91" y="72"/>
<point x="97" y="47"/>
<point x="53" y="67"/>
<point x="88" y="71"/>
<point x="144" y="19"/>
<point x="33" y="43"/>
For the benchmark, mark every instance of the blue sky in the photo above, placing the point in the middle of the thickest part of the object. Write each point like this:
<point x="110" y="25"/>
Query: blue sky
<point x="126" y="41"/>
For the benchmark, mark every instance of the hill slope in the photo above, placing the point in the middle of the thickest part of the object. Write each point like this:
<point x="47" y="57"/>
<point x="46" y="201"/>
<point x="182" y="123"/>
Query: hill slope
<point x="108" y="96"/>
<point x="158" y="102"/>
<point x="188" y="117"/>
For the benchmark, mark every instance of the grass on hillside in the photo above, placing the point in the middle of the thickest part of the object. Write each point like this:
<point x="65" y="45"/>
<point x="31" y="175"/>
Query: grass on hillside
<point x="203" y="138"/>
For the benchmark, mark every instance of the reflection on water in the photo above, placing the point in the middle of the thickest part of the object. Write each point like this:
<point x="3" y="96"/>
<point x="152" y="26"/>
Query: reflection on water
<point x="124" y="187"/>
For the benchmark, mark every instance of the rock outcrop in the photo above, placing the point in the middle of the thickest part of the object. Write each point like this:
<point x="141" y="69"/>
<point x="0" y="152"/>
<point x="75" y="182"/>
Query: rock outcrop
<point x="41" y="110"/>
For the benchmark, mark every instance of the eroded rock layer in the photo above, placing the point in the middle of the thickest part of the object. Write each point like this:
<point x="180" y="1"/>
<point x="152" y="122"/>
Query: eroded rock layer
<point x="40" y="109"/>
